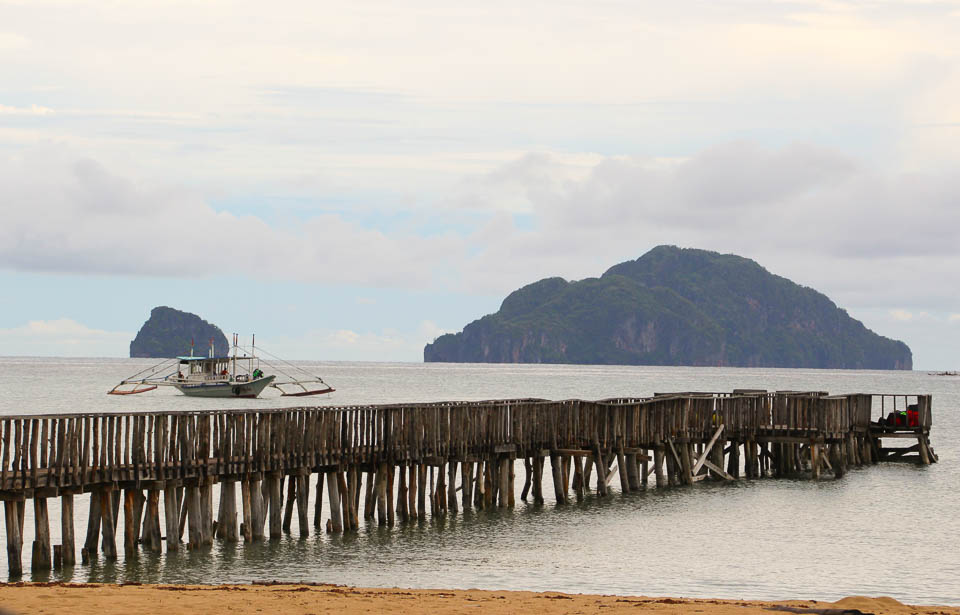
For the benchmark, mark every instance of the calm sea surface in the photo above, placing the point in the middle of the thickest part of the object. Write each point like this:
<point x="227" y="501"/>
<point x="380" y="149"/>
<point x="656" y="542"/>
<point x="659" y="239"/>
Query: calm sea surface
<point x="892" y="529"/>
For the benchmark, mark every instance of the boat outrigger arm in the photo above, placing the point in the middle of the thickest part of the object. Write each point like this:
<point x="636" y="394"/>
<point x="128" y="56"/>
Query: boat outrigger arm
<point x="237" y="375"/>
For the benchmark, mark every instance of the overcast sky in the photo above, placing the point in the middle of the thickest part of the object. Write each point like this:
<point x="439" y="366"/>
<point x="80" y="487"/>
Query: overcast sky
<point x="350" y="180"/>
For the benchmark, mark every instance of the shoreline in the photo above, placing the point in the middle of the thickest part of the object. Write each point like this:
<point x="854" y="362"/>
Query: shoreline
<point x="304" y="599"/>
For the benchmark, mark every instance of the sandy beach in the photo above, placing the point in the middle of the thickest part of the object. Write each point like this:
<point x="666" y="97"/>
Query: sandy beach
<point x="97" y="599"/>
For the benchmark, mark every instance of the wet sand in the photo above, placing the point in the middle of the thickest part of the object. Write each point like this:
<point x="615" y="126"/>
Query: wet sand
<point x="96" y="599"/>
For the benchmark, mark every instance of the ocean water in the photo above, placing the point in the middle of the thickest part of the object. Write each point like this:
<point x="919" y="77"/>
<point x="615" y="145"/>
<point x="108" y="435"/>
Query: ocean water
<point x="890" y="530"/>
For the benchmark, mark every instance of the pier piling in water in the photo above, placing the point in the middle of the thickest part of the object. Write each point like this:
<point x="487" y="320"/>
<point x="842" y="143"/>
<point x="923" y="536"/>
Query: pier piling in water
<point x="388" y="461"/>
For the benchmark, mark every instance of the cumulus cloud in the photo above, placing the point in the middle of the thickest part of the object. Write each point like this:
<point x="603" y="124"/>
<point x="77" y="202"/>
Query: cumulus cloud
<point x="75" y="216"/>
<point x="61" y="337"/>
<point x="864" y="236"/>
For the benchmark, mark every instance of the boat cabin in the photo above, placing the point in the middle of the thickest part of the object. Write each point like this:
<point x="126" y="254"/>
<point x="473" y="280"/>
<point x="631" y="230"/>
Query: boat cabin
<point x="215" y="369"/>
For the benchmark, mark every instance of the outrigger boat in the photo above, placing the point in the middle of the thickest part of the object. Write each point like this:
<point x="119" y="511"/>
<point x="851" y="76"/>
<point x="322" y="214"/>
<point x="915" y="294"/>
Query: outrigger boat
<point x="237" y="375"/>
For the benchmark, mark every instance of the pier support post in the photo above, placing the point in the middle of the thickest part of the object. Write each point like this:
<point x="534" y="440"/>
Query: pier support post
<point x="480" y="492"/>
<point x="836" y="460"/>
<point x="333" y="497"/>
<point x="139" y="505"/>
<point x="452" y="486"/>
<point x="292" y="485"/>
<point x="624" y="472"/>
<point x="503" y="488"/>
<point x="170" y="518"/>
<point x="258" y="506"/>
<point x="686" y="463"/>
<point x="658" y="452"/>
<point x="369" y="494"/>
<point x="303" y="506"/>
<point x="557" y="473"/>
<point x="346" y="501"/>
<point x="274" y="480"/>
<point x="922" y="449"/>
<point x="380" y="486"/>
<point x="42" y="558"/>
<point x="466" y="484"/>
<point x="421" y="491"/>
<point x="733" y="459"/>
<point x="14" y="538"/>
<point x="814" y="460"/>
<point x="108" y="525"/>
<point x="93" y="527"/>
<point x="579" y="480"/>
<point x="538" y="462"/>
<point x="527" y="478"/>
<point x="206" y="512"/>
<point x="247" y="506"/>
<point x="129" y="523"/>
<point x="391" y="511"/>
<point x="227" y="525"/>
<point x="318" y="504"/>
<point x="353" y="483"/>
<point x="151" y="523"/>
<point x="601" y="466"/>
<point x="671" y="462"/>
<point x="752" y="464"/>
<point x="403" y="496"/>
<point x="490" y="482"/>
<point x="438" y="493"/>
<point x="67" y="539"/>
<point x="195" y="529"/>
<point x="633" y="479"/>
<point x="412" y="471"/>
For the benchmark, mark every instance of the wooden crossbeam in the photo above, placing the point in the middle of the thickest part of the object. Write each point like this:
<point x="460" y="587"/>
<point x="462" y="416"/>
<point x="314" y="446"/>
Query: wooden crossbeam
<point x="674" y="451"/>
<point x="706" y="451"/>
<point x="611" y="472"/>
<point x="719" y="471"/>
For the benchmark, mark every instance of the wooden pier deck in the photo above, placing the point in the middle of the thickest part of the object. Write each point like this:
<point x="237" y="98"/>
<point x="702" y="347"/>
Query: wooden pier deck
<point x="394" y="461"/>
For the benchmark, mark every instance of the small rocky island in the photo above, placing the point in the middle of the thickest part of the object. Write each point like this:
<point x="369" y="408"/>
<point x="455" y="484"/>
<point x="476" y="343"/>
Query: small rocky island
<point x="673" y="306"/>
<point x="167" y="333"/>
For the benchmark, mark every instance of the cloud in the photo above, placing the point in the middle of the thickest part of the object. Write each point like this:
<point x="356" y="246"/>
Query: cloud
<point x="31" y="110"/>
<point x="901" y="315"/>
<point x="75" y="216"/>
<point x="62" y="337"/>
<point x="954" y="318"/>
<point x="865" y="236"/>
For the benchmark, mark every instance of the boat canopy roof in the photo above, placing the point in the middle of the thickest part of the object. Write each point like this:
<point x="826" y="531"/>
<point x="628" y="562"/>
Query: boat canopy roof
<point x="227" y="358"/>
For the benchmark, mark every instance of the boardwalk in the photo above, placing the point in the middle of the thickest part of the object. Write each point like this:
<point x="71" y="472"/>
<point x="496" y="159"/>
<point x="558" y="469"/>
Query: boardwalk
<point x="392" y="462"/>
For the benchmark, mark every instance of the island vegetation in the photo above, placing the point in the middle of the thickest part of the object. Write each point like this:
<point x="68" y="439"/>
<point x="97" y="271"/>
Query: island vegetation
<point x="169" y="333"/>
<point x="673" y="306"/>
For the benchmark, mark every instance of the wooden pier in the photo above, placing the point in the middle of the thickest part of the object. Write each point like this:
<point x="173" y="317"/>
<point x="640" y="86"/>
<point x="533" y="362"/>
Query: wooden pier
<point x="392" y="462"/>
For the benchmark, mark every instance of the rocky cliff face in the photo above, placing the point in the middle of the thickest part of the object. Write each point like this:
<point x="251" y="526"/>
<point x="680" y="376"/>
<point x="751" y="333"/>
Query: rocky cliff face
<point x="167" y="333"/>
<point x="673" y="306"/>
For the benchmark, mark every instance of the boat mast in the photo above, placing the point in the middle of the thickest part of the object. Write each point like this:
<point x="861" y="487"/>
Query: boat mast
<point x="234" y="356"/>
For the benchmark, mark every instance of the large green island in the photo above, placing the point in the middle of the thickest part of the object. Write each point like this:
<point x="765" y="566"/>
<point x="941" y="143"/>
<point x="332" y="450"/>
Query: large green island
<point x="170" y="333"/>
<point x="673" y="306"/>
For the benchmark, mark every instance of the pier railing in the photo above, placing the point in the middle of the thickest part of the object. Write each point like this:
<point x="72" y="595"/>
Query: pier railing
<point x="77" y="450"/>
<point x="674" y="439"/>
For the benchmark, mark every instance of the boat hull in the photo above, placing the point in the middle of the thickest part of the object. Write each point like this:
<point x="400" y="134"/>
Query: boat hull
<point x="247" y="390"/>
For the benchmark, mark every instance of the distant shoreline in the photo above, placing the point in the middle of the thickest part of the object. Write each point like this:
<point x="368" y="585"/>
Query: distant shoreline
<point x="301" y="599"/>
